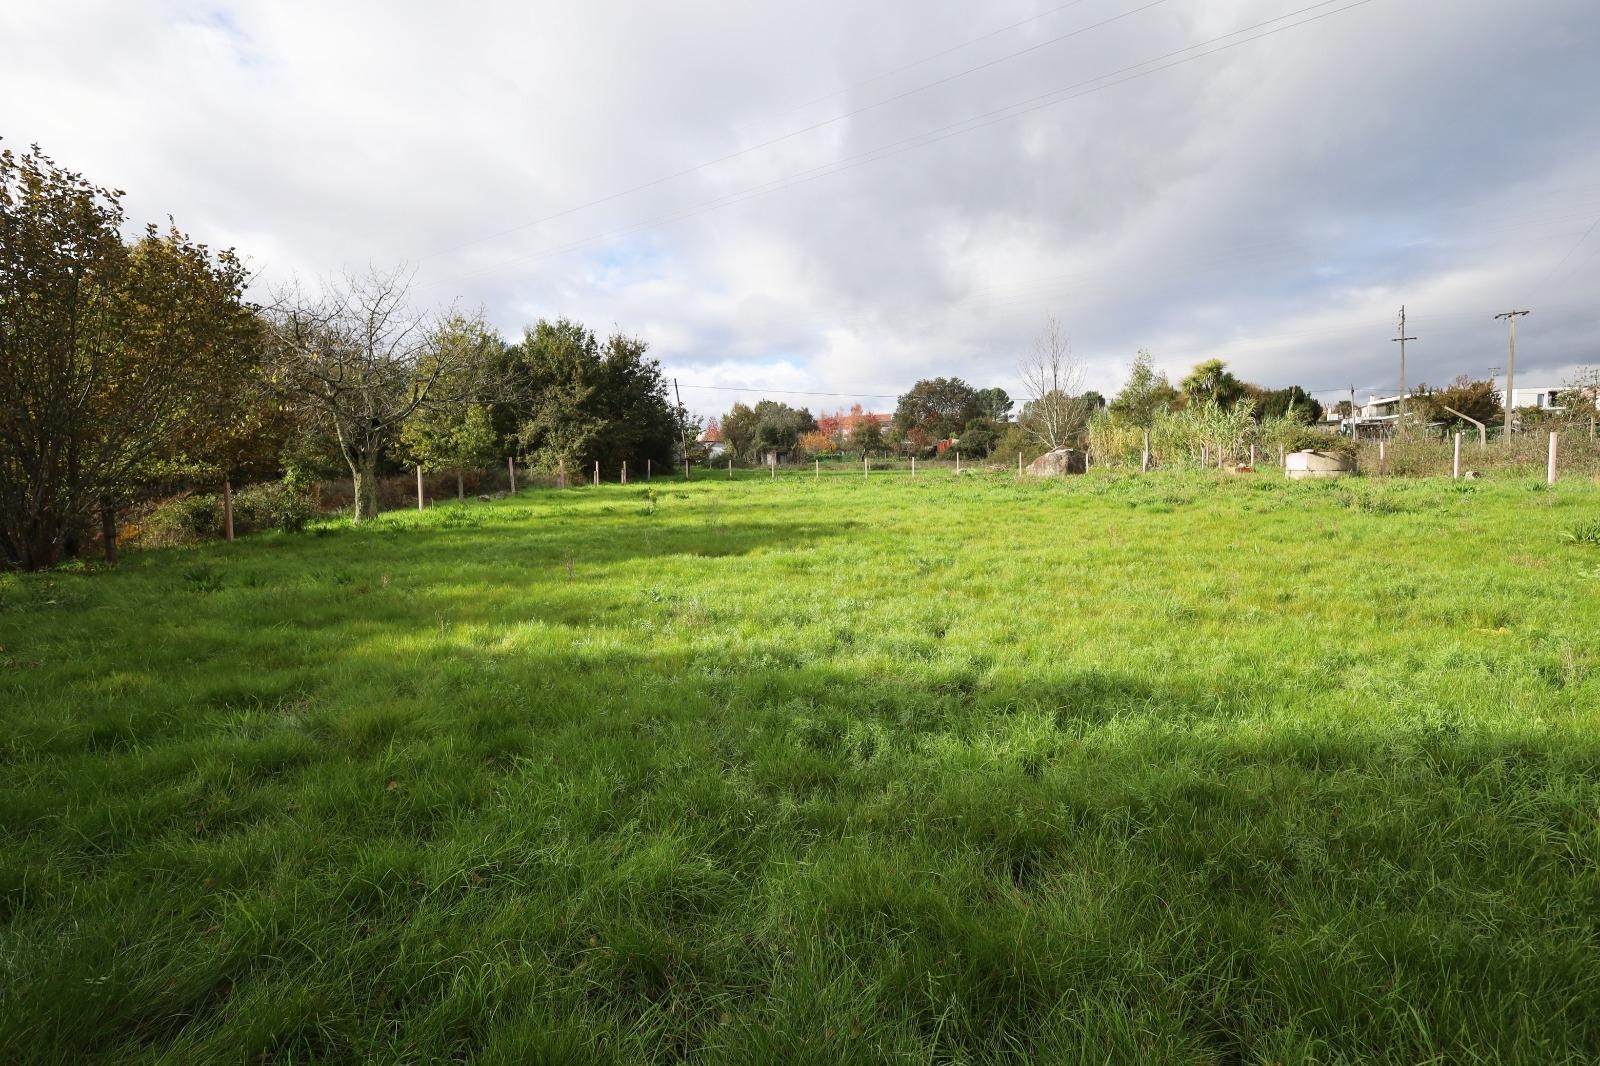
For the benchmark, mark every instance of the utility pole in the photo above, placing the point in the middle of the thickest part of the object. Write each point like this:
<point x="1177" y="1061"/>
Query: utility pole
<point x="1511" y="366"/>
<point x="1400" y="416"/>
<point x="683" y="432"/>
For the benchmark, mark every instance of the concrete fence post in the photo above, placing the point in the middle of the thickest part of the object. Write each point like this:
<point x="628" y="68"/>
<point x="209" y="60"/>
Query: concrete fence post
<point x="1383" y="457"/>
<point x="1455" y="463"/>
<point x="1550" y="469"/>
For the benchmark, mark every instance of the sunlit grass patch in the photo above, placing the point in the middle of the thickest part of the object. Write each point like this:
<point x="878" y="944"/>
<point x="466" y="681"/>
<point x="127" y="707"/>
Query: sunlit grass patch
<point x="1177" y="768"/>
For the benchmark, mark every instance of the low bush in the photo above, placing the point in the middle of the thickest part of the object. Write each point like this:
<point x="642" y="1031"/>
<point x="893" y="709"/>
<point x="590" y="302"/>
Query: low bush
<point x="272" y="505"/>
<point x="197" y="516"/>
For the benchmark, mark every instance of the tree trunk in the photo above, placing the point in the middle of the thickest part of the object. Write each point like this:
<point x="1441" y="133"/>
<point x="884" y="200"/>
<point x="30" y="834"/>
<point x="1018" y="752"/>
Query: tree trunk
<point x="364" y="475"/>
<point x="108" y="529"/>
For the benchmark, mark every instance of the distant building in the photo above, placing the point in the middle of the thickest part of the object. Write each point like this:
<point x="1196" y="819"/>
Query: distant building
<point x="840" y="425"/>
<point x="1543" y="397"/>
<point x="1375" y="418"/>
<point x="711" y="437"/>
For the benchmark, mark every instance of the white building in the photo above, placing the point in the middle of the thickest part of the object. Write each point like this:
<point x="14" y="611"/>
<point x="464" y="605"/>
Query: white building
<point x="1543" y="397"/>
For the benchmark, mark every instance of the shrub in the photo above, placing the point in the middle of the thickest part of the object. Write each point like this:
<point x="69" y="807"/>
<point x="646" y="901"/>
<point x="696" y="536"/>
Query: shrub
<point x="272" y="505"/>
<point x="180" y="520"/>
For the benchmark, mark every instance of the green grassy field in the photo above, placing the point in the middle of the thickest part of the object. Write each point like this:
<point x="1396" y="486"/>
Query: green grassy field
<point x="1168" y="769"/>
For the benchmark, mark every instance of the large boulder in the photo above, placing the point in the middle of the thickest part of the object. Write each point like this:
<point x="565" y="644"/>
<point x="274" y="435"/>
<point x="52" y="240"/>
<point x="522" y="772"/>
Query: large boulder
<point x="1301" y="465"/>
<point x="1058" y="462"/>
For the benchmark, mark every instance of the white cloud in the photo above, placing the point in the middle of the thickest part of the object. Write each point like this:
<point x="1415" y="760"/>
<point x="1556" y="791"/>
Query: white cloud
<point x="1272" y="204"/>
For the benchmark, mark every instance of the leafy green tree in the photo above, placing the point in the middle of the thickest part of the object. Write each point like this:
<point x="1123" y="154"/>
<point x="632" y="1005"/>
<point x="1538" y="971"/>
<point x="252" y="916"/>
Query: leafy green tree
<point x="977" y="438"/>
<point x="1147" y="393"/>
<point x="578" y="401"/>
<point x="1293" y="403"/>
<point x="779" y="427"/>
<point x="114" y="359"/>
<point x="1211" y="380"/>
<point x="458" y="435"/>
<point x="866" y="436"/>
<point x="936" y="408"/>
<point x="1477" y="399"/>
<point x="739" y="430"/>
<point x="995" y="404"/>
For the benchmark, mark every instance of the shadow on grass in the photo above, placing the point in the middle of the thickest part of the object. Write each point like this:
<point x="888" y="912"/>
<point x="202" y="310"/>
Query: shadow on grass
<point x="770" y="853"/>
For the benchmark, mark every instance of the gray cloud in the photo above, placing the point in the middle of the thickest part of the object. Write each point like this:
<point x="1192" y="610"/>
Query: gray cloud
<point x="1271" y="204"/>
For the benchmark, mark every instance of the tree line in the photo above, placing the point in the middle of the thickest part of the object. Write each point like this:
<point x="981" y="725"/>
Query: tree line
<point x="943" y="413"/>
<point x="131" y="365"/>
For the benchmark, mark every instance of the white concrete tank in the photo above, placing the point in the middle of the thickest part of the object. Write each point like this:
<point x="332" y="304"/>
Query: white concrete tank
<point x="1300" y="465"/>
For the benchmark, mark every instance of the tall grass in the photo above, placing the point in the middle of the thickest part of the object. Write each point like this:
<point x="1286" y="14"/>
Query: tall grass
<point x="1177" y="768"/>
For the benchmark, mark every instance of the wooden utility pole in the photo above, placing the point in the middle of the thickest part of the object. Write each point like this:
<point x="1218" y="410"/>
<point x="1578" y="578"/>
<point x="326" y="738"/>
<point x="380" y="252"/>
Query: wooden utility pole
<point x="683" y="431"/>
<point x="1511" y="365"/>
<point x="1401" y="410"/>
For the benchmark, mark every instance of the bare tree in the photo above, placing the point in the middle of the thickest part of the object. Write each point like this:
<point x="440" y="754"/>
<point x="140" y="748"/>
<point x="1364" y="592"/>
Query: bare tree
<point x="1053" y="414"/>
<point x="359" y="360"/>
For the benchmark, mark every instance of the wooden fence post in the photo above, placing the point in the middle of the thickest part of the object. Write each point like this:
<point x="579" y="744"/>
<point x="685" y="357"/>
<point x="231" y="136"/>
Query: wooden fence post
<point x="624" y="471"/>
<point x="913" y="466"/>
<point x="419" y="486"/>
<point x="686" y="470"/>
<point x="1252" y="457"/>
<point x="1383" y="458"/>
<point x="649" y="465"/>
<point x="1144" y="460"/>
<point x="461" y="488"/>
<point x="730" y="469"/>
<point x="816" y="469"/>
<point x="863" y="464"/>
<point x="958" y="461"/>
<point x="597" y="473"/>
<point x="1550" y="469"/>
<point x="1019" y="465"/>
<point x="1455" y="464"/>
<point x="511" y="471"/>
<point x="227" y="508"/>
<point x="1205" y="455"/>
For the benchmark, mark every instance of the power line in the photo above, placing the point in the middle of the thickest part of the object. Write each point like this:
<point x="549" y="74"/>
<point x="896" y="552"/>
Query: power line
<point x="1121" y="76"/>
<point x="813" y="127"/>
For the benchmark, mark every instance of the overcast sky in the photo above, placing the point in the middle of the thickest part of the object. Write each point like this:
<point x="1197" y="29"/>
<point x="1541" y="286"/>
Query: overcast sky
<point x="843" y="197"/>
